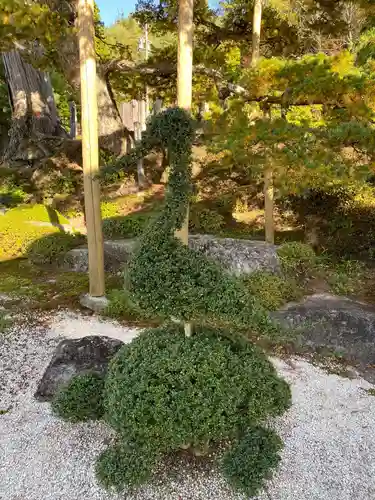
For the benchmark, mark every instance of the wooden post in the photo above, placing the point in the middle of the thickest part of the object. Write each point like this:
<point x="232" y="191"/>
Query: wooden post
<point x="257" y="24"/>
<point x="185" y="88"/>
<point x="90" y="149"/>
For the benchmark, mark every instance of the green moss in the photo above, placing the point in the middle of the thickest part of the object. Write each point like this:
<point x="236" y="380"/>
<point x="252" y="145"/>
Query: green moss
<point x="21" y="226"/>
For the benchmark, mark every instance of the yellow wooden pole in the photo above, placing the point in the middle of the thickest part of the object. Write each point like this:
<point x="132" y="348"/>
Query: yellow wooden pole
<point x="185" y="87"/>
<point x="90" y="148"/>
<point x="268" y="206"/>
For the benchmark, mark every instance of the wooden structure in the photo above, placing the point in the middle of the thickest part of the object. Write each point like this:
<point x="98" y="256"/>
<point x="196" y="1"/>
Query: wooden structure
<point x="90" y="148"/>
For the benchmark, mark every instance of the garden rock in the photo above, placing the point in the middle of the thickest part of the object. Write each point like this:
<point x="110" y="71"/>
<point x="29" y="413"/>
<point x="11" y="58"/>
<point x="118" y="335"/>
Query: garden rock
<point x="345" y="326"/>
<point x="116" y="254"/>
<point x="76" y="356"/>
<point x="237" y="256"/>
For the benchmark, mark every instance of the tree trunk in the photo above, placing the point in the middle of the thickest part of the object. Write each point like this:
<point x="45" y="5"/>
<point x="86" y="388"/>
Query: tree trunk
<point x="257" y="22"/>
<point x="184" y="87"/>
<point x="113" y="136"/>
<point x="33" y="104"/>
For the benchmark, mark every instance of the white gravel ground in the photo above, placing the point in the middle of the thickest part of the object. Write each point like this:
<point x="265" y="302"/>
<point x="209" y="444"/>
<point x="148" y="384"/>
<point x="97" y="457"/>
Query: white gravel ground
<point x="329" y="432"/>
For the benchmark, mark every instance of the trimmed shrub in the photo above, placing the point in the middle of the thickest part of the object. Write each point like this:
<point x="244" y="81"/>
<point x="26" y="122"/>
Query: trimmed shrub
<point x="125" y="464"/>
<point x="297" y="259"/>
<point x="81" y="399"/>
<point x="121" y="305"/>
<point x="49" y="249"/>
<point x="126" y="226"/>
<point x="271" y="290"/>
<point x="251" y="461"/>
<point x="204" y="220"/>
<point x="174" y="391"/>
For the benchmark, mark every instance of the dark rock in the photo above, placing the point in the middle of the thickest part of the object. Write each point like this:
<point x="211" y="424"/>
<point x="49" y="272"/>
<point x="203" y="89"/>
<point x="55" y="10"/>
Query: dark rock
<point x="237" y="256"/>
<point x="336" y="323"/>
<point x="76" y="356"/>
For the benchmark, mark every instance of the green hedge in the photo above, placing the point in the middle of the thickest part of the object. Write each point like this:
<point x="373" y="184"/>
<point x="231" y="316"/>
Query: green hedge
<point x="168" y="392"/>
<point x="81" y="399"/>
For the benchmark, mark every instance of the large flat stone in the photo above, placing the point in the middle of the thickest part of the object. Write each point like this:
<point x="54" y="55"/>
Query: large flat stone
<point x="116" y="254"/>
<point x="73" y="357"/>
<point x="338" y="323"/>
<point x="237" y="256"/>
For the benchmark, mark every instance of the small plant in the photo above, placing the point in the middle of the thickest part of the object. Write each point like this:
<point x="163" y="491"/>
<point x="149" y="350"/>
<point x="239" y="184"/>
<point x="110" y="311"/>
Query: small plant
<point x="251" y="461"/>
<point x="81" y="399"/>
<point x="49" y="249"/>
<point x="5" y="321"/>
<point x="346" y="277"/>
<point x="126" y="226"/>
<point x="204" y="220"/>
<point x="121" y="305"/>
<point x="125" y="464"/>
<point x="271" y="290"/>
<point x="297" y="259"/>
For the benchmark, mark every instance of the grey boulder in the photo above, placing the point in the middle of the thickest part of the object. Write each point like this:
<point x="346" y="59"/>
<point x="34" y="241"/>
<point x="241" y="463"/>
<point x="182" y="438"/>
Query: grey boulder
<point x="343" y="325"/>
<point x="237" y="256"/>
<point x="73" y="357"/>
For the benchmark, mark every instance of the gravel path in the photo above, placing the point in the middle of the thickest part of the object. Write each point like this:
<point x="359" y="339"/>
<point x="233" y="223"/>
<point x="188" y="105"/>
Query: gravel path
<point x="329" y="433"/>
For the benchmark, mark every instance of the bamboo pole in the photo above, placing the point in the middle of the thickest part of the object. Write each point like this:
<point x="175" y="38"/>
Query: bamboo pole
<point x="257" y="24"/>
<point x="90" y="148"/>
<point x="185" y="88"/>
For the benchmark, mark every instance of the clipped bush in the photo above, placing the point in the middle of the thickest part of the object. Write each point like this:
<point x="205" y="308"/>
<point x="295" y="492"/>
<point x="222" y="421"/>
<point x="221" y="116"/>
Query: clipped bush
<point x="272" y="290"/>
<point x="125" y="464"/>
<point x="175" y="392"/>
<point x="297" y="259"/>
<point x="251" y="461"/>
<point x="122" y="306"/>
<point x="126" y="226"/>
<point x="81" y="399"/>
<point x="204" y="220"/>
<point x="52" y="247"/>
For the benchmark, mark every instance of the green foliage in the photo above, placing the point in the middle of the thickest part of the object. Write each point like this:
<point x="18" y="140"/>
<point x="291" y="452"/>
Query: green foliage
<point x="271" y="290"/>
<point x="251" y="461"/>
<point x="204" y="220"/>
<point x="342" y="218"/>
<point x="167" y="391"/>
<point x="50" y="248"/>
<point x="126" y="226"/>
<point x="81" y="399"/>
<point x="5" y="322"/>
<point x="122" y="306"/>
<point x="297" y="259"/>
<point x="184" y="284"/>
<point x="125" y="464"/>
<point x="20" y="227"/>
<point x="345" y="277"/>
